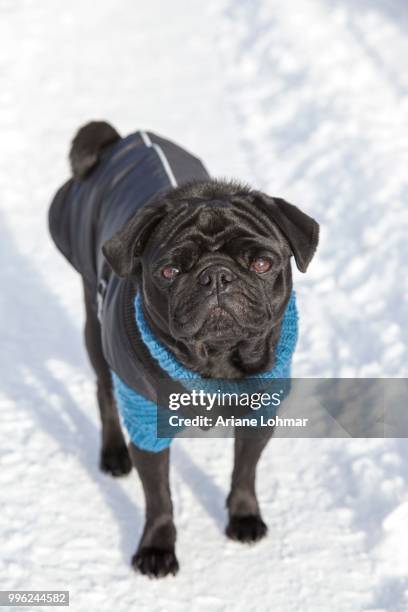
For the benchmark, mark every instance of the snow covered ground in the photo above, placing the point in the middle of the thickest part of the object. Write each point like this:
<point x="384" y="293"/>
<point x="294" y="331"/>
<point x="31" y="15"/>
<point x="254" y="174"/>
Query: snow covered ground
<point x="305" y="100"/>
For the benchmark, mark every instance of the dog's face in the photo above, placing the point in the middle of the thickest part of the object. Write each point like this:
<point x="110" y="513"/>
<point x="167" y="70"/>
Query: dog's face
<point x="215" y="272"/>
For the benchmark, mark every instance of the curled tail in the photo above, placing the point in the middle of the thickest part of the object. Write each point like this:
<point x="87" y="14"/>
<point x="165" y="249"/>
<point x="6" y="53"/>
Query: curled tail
<point x="87" y="145"/>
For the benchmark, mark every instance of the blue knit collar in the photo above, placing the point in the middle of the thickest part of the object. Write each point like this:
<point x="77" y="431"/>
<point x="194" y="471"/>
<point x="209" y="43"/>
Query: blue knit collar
<point x="176" y="370"/>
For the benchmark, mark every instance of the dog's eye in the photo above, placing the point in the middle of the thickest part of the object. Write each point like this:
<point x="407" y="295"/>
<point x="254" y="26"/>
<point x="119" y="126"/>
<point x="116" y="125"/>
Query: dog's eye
<point x="261" y="265"/>
<point x="170" y="272"/>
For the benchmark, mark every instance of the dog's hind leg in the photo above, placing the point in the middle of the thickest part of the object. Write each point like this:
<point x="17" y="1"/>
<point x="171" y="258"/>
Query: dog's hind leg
<point x="155" y="555"/>
<point x="245" y="521"/>
<point x="114" y="458"/>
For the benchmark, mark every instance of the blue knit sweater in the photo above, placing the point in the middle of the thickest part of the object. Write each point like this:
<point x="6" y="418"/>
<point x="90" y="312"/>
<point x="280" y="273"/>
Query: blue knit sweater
<point x="140" y="416"/>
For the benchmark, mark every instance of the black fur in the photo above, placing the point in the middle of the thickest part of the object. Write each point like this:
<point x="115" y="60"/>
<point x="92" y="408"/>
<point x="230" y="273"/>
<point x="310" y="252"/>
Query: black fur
<point x="206" y="224"/>
<point x="219" y="318"/>
<point x="87" y="145"/>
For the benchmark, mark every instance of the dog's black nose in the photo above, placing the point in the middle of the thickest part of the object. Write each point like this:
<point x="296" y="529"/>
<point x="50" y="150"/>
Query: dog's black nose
<point x="216" y="277"/>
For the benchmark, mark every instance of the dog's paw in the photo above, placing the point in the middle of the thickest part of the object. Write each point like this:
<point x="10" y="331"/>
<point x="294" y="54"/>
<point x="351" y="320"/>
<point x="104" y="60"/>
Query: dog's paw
<point x="155" y="563"/>
<point x="248" y="529"/>
<point x="115" y="461"/>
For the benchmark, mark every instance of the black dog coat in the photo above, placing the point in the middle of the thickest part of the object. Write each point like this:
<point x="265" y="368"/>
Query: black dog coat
<point x="85" y="213"/>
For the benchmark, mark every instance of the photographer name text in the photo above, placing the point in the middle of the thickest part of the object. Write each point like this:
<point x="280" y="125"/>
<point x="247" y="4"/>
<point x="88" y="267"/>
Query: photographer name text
<point x="262" y="421"/>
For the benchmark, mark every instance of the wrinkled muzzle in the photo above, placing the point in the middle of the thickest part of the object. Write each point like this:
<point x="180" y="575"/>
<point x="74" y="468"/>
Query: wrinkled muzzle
<point x="217" y="303"/>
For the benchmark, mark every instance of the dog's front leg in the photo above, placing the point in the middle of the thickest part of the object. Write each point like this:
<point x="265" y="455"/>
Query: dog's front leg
<point x="245" y="521"/>
<point x="155" y="555"/>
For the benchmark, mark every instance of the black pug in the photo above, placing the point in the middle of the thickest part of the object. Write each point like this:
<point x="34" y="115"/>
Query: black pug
<point x="211" y="262"/>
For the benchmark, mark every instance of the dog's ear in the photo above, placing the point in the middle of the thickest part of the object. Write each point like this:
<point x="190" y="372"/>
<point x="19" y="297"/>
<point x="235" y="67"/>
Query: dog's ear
<point x="300" y="230"/>
<point x="125" y="248"/>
